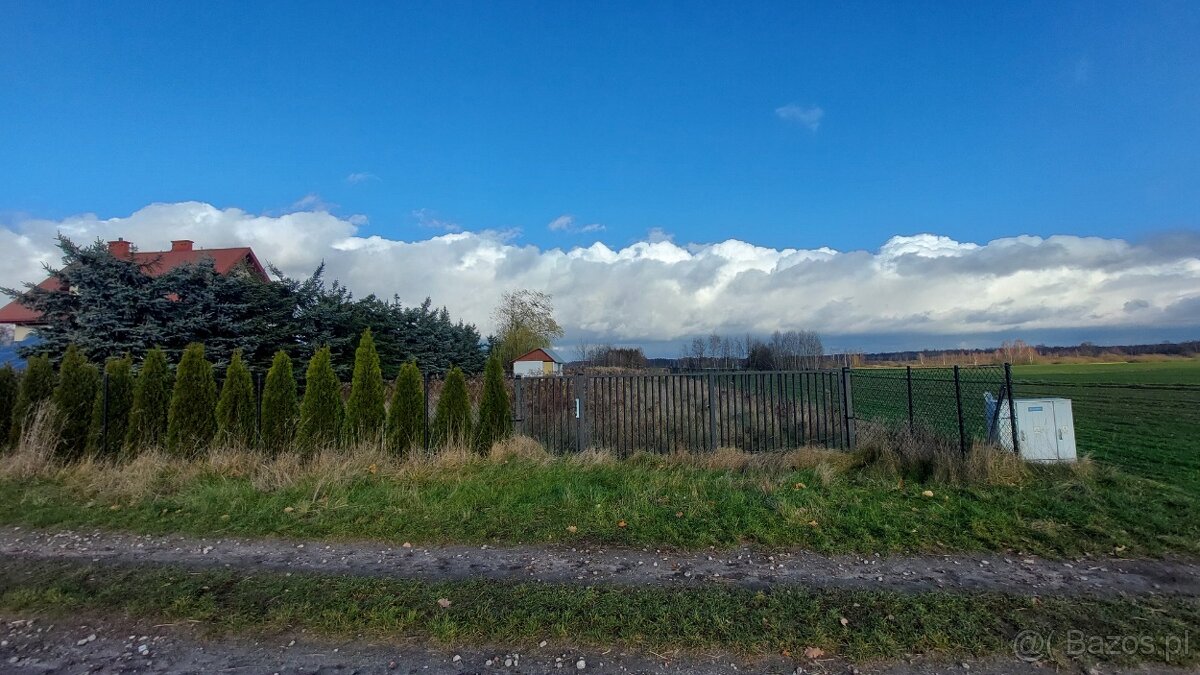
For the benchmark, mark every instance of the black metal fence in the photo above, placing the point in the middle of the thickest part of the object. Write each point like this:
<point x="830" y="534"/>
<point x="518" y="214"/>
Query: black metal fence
<point x="752" y="411"/>
<point x="967" y="405"/>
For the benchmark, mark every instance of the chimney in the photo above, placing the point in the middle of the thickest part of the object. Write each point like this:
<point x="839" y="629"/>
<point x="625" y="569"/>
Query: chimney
<point x="119" y="248"/>
<point x="181" y="245"/>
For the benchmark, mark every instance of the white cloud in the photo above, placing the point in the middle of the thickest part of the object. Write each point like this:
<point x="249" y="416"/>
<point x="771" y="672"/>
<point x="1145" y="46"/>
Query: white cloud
<point x="658" y="290"/>
<point x="312" y="202"/>
<point x="361" y="177"/>
<point x="427" y="218"/>
<point x="567" y="223"/>
<point x="805" y="115"/>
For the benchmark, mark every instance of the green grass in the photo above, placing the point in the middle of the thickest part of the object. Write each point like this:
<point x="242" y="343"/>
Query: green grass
<point x="663" y="503"/>
<point x="1141" y="417"/>
<point x="1143" y="498"/>
<point x="1153" y="372"/>
<point x="878" y="625"/>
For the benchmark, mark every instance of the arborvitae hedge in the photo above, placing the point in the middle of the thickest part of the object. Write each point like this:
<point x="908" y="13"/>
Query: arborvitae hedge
<point x="192" y="421"/>
<point x="37" y="386"/>
<point x="8" y="401"/>
<point x="279" y="405"/>
<point x="237" y="408"/>
<point x="365" y="413"/>
<point x="108" y="441"/>
<point x="406" y="416"/>
<point x="452" y="423"/>
<point x="321" y="411"/>
<point x="73" y="400"/>
<point x="495" y="414"/>
<point x="151" y="404"/>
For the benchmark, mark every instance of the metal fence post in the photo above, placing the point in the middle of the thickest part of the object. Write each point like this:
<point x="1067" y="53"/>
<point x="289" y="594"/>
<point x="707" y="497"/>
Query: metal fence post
<point x="848" y="407"/>
<point x="912" y="424"/>
<point x="425" y="405"/>
<point x="581" y="427"/>
<point x="104" y="412"/>
<point x="1012" y="407"/>
<point x="712" y="415"/>
<point x="962" y="430"/>
<point x="519" y="408"/>
<point x="258" y="391"/>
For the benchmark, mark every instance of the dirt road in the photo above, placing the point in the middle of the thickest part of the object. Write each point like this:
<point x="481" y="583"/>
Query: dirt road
<point x="742" y="567"/>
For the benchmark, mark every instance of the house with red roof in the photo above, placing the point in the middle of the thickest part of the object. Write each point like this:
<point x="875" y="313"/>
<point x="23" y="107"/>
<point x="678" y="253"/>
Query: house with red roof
<point x="227" y="261"/>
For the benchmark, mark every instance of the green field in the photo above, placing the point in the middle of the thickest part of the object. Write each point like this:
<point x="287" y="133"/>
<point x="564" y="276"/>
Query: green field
<point x="1161" y="372"/>
<point x="1141" y="417"/>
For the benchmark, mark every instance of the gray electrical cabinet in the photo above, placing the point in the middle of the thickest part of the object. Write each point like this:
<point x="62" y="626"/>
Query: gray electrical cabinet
<point x="1045" y="429"/>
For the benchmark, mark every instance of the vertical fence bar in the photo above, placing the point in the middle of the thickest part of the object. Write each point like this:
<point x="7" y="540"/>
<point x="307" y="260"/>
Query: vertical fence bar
<point x="425" y="417"/>
<point x="580" y="412"/>
<point x="848" y="407"/>
<point x="519" y="408"/>
<point x="827" y="393"/>
<point x="962" y="430"/>
<point x="911" y="418"/>
<point x="258" y="401"/>
<point x="712" y="415"/>
<point x="1012" y="407"/>
<point x="104" y="411"/>
<point x="802" y="404"/>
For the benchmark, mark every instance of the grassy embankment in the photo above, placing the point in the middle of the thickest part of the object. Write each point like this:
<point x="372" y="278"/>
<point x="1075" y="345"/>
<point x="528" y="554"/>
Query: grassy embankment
<point x="1141" y="495"/>
<point x="818" y="500"/>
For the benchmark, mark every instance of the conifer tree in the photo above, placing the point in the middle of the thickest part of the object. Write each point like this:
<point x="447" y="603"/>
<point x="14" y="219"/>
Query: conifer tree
<point x="36" y="387"/>
<point x="452" y="422"/>
<point x="8" y="400"/>
<point x="237" y="408"/>
<point x="279" y="405"/>
<point x="321" y="411"/>
<point x="192" y="420"/>
<point x="151" y="404"/>
<point x="495" y="414"/>
<point x="108" y="439"/>
<point x="365" y="414"/>
<point x="406" y="415"/>
<point x="78" y="381"/>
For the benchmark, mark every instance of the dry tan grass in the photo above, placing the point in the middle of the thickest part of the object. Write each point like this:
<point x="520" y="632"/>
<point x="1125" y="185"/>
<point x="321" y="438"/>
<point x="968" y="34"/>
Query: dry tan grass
<point x="828" y="462"/>
<point x="34" y="455"/>
<point x="520" y="448"/>
<point x="593" y="457"/>
<point x="887" y="453"/>
<point x="894" y="451"/>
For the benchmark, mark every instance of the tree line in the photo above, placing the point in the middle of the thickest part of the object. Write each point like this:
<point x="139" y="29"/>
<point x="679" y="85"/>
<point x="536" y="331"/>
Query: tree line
<point x="110" y="305"/>
<point x="119" y="411"/>
<point x="783" y="350"/>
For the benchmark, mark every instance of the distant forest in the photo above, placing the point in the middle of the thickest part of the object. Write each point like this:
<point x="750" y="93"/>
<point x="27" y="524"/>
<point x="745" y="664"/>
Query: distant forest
<point x="1018" y="352"/>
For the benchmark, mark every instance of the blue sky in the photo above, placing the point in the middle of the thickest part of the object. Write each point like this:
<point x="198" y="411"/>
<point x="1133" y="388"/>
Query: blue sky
<point x="968" y="120"/>
<point x="899" y="135"/>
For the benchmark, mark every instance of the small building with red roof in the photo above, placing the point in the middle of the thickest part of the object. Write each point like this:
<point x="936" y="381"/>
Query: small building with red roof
<point x="537" y="363"/>
<point x="226" y="261"/>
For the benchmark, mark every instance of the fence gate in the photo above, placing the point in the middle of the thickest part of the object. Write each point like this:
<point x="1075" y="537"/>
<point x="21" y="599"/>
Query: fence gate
<point x="546" y="409"/>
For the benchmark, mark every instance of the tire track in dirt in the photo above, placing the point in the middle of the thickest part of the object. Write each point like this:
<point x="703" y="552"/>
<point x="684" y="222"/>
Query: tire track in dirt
<point x="98" y="643"/>
<point x="627" y="567"/>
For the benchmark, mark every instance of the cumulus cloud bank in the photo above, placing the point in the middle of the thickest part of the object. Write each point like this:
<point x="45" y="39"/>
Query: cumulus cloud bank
<point x="658" y="290"/>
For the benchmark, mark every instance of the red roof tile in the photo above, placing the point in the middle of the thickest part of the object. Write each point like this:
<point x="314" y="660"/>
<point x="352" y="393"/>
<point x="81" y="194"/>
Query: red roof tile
<point x="224" y="260"/>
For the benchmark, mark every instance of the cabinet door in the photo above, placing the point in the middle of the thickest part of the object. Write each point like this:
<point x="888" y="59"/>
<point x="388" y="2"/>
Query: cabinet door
<point x="1064" y="430"/>
<point x="1035" y="424"/>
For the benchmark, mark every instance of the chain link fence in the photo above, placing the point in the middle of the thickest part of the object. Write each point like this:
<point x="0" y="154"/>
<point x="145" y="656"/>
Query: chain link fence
<point x="967" y="405"/>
